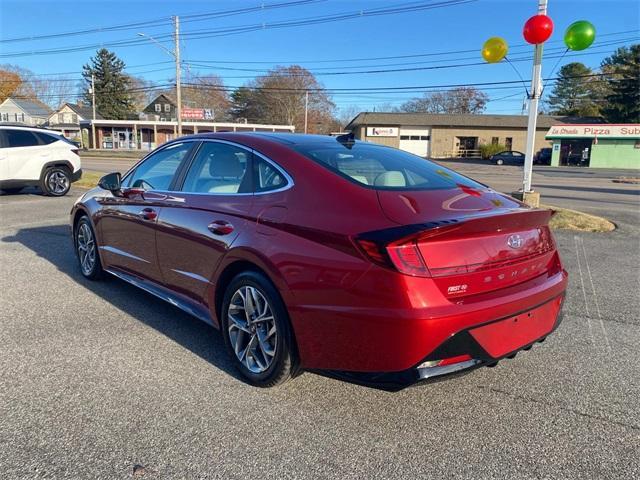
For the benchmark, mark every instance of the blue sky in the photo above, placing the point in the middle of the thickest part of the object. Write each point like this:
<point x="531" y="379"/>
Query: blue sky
<point x="319" y="47"/>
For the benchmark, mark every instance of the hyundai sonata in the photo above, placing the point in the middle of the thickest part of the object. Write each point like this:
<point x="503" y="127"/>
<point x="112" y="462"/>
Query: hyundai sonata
<point x="328" y="254"/>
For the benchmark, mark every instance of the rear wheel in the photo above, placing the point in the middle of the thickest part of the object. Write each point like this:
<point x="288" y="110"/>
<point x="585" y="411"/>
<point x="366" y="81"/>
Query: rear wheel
<point x="256" y="330"/>
<point x="87" y="250"/>
<point x="499" y="162"/>
<point x="56" y="181"/>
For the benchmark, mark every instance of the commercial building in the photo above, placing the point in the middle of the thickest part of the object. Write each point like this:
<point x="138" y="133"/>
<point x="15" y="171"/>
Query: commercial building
<point x="603" y="146"/>
<point x="444" y="135"/>
<point x="148" y="134"/>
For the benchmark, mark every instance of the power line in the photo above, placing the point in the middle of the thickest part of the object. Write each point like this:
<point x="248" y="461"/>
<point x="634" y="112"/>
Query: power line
<point x="252" y="27"/>
<point x="161" y="21"/>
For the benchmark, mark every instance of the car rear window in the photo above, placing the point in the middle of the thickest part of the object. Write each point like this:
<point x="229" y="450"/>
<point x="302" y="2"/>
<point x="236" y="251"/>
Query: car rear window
<point x="383" y="168"/>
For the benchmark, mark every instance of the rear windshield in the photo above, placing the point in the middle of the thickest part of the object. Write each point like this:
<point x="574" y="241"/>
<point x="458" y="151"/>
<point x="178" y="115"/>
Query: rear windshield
<point x="383" y="168"/>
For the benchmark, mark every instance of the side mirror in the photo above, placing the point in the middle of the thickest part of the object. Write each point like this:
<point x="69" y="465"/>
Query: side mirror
<point x="111" y="182"/>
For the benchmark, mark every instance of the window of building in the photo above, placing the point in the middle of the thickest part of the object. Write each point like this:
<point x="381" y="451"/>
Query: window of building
<point x="425" y="137"/>
<point x="74" y="118"/>
<point x="495" y="140"/>
<point x="158" y="107"/>
<point x="508" y="142"/>
<point x="167" y="107"/>
<point x="5" y="117"/>
<point x="404" y="137"/>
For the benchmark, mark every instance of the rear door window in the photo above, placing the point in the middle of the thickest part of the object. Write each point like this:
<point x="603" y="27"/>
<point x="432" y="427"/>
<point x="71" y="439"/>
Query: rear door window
<point x="383" y="168"/>
<point x="219" y="168"/>
<point x="20" y="138"/>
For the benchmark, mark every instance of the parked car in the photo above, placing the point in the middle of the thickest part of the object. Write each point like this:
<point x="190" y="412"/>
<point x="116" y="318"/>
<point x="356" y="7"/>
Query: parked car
<point x="327" y="254"/>
<point x="543" y="157"/>
<point x="508" y="157"/>
<point x="37" y="157"/>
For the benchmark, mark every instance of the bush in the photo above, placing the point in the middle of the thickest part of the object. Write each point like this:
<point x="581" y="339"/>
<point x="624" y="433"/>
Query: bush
<point x="491" y="149"/>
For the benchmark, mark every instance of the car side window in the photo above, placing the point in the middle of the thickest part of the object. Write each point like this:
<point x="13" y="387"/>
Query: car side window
<point x="266" y="176"/>
<point x="20" y="138"/>
<point x="157" y="171"/>
<point x="219" y="168"/>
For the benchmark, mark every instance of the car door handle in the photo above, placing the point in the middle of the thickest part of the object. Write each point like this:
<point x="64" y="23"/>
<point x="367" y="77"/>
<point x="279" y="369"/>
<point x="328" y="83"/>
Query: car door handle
<point x="220" y="227"/>
<point x="148" y="214"/>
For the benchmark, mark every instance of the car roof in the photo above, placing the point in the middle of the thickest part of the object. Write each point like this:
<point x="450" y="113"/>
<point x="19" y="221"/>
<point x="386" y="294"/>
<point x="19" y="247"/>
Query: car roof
<point x="27" y="127"/>
<point x="283" y="138"/>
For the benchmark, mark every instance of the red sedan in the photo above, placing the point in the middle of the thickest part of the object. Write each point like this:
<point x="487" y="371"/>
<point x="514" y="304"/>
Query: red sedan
<point x="328" y="254"/>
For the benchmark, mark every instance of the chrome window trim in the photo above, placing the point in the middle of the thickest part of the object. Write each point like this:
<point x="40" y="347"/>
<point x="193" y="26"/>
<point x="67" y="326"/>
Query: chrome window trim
<point x="288" y="178"/>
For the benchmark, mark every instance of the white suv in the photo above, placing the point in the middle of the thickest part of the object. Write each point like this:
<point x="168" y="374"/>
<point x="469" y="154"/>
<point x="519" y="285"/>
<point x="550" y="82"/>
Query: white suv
<point x="37" y="157"/>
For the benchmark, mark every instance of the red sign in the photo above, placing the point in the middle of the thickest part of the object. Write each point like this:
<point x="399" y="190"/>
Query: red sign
<point x="193" y="113"/>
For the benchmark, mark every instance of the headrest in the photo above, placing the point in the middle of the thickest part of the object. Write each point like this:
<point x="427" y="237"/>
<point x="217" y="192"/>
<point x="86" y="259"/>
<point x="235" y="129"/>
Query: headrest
<point x="225" y="163"/>
<point x="391" y="178"/>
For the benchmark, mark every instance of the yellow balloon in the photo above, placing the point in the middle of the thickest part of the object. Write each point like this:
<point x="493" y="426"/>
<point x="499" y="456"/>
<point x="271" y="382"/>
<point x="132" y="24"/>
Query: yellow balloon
<point x="494" y="49"/>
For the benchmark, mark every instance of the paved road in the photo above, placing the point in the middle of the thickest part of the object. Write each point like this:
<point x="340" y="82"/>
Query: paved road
<point x="98" y="378"/>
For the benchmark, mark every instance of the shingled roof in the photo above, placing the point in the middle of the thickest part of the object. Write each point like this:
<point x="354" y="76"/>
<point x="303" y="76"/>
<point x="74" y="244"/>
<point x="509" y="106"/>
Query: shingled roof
<point x="31" y="107"/>
<point x="466" y="120"/>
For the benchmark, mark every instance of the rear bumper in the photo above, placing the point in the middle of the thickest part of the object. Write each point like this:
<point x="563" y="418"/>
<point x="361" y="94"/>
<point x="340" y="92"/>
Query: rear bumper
<point x="482" y="345"/>
<point x="75" y="176"/>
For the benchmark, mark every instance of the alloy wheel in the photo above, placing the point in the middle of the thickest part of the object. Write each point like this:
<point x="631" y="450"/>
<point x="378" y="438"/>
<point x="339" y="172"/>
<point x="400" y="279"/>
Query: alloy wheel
<point x="58" y="183"/>
<point x="86" y="249"/>
<point x="252" y="329"/>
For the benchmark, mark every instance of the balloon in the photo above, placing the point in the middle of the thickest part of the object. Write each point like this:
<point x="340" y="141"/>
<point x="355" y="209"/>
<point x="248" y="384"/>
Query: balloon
<point x="579" y="35"/>
<point x="494" y="49"/>
<point x="538" y="29"/>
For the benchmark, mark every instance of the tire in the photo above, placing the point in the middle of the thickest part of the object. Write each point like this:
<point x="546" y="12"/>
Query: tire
<point x="499" y="162"/>
<point x="56" y="181"/>
<point x="84" y="240"/>
<point x="12" y="191"/>
<point x="262" y="361"/>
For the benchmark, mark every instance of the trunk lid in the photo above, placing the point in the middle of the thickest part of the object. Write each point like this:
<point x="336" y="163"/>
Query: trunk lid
<point x="474" y="241"/>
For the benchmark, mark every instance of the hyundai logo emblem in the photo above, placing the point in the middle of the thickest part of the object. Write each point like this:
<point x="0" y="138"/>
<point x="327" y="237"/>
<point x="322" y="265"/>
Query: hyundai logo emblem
<point x="515" y="241"/>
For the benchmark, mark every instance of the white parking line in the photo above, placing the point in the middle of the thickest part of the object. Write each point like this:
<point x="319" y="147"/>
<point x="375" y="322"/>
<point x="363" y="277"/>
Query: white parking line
<point x="595" y="296"/>
<point x="584" y="292"/>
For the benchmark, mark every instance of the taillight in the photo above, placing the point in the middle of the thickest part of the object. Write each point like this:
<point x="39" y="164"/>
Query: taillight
<point x="407" y="259"/>
<point x="402" y="255"/>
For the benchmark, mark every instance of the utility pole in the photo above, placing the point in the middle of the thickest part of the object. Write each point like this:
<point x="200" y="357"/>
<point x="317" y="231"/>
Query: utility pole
<point x="93" y="107"/>
<point x="176" y="54"/>
<point x="306" y="110"/>
<point x="536" y="90"/>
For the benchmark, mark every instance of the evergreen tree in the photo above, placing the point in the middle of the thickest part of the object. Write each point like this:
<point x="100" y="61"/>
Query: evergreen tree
<point x="575" y="93"/>
<point x="114" y="100"/>
<point x="623" y="75"/>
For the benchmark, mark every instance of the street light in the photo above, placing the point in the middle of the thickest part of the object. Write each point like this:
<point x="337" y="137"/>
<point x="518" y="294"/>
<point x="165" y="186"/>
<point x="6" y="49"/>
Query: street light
<point x="176" y="55"/>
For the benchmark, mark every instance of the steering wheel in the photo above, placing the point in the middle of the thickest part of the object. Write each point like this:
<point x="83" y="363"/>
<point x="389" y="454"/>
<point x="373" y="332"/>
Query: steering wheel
<point x="141" y="183"/>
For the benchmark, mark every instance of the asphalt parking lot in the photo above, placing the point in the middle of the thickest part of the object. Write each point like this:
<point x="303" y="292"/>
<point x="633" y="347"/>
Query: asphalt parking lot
<point x="101" y="380"/>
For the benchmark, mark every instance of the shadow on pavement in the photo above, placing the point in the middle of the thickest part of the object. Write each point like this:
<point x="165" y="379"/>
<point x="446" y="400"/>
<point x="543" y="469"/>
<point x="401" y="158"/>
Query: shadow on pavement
<point x="53" y="243"/>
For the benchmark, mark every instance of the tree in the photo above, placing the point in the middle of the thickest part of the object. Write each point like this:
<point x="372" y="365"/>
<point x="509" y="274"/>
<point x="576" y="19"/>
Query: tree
<point x="279" y="97"/>
<point x="113" y="87"/>
<point x="206" y="91"/>
<point x="9" y="83"/>
<point x="50" y="90"/>
<point x="575" y="92"/>
<point x="622" y="71"/>
<point x="142" y="92"/>
<point x="455" y="101"/>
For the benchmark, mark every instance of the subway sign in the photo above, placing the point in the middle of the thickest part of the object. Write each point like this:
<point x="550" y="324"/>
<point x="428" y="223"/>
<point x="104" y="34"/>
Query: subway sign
<point x="619" y="131"/>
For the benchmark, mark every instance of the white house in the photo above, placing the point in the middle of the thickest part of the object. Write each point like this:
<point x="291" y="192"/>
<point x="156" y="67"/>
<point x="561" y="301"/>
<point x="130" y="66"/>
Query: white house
<point x="20" y="110"/>
<point x="67" y="119"/>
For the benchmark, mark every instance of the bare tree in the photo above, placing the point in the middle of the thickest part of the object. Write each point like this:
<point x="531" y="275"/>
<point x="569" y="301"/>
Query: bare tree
<point x="455" y="101"/>
<point x="50" y="90"/>
<point x="279" y="97"/>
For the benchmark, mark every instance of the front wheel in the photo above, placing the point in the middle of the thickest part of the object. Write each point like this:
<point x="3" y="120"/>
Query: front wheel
<point x="87" y="250"/>
<point x="56" y="182"/>
<point x="256" y="330"/>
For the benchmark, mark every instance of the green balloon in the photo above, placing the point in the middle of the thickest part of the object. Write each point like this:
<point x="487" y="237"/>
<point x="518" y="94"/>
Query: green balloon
<point x="580" y="35"/>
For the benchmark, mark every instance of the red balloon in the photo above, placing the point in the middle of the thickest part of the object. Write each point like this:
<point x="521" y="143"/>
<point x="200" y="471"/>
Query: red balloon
<point x="538" y="29"/>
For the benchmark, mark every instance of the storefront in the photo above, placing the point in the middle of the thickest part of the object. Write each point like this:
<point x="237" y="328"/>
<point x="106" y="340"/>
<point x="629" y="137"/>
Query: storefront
<point x="598" y="146"/>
